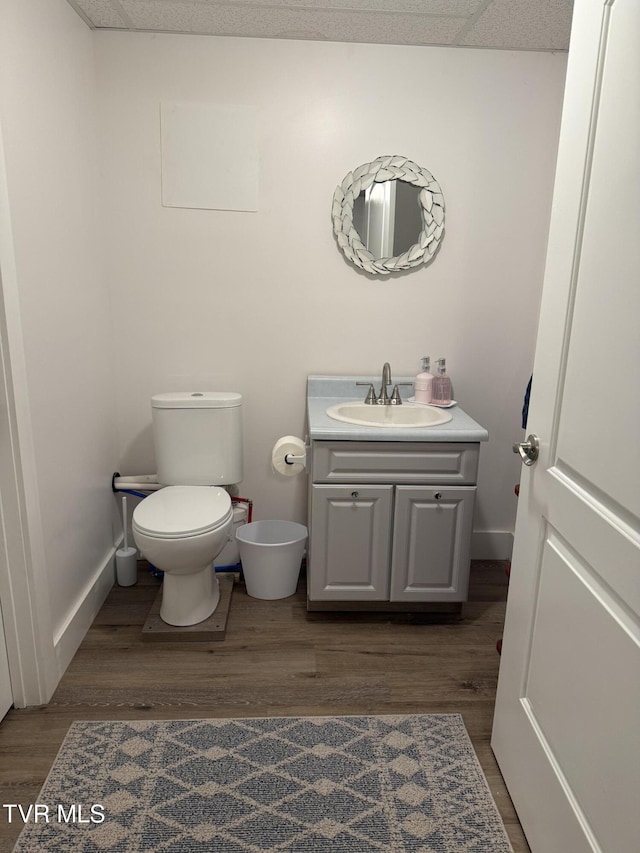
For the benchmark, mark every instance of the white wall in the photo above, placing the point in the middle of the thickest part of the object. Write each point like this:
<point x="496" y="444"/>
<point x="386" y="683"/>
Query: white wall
<point x="58" y="309"/>
<point x="256" y="301"/>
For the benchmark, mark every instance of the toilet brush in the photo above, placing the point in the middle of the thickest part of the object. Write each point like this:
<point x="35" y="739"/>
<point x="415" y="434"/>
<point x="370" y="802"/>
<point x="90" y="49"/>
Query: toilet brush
<point x="126" y="558"/>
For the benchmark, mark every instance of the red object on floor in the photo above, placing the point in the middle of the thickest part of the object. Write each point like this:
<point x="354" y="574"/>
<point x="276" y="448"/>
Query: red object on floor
<point x="499" y="647"/>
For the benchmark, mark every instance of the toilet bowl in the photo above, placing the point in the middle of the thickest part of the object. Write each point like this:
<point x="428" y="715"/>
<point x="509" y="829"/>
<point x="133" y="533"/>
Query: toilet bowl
<point x="181" y="530"/>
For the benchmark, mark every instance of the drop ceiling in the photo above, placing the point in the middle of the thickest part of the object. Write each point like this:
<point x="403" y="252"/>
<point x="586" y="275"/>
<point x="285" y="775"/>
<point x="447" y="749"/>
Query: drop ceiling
<point x="500" y="24"/>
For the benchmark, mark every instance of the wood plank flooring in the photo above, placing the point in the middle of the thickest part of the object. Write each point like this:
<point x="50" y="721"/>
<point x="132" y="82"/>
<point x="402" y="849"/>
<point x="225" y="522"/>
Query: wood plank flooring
<point x="276" y="660"/>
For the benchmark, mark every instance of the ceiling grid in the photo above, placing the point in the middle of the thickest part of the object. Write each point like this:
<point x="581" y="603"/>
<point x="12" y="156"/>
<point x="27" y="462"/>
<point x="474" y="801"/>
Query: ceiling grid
<point x="542" y="25"/>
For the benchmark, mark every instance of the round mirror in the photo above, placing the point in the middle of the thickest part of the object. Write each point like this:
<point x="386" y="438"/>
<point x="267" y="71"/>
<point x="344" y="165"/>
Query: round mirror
<point x="388" y="215"/>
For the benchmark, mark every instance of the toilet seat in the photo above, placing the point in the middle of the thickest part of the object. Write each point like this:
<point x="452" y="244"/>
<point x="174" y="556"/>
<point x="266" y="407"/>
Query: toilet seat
<point x="179" y="512"/>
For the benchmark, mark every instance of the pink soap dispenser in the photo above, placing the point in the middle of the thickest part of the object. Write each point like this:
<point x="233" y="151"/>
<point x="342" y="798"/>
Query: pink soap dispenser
<point x="423" y="382"/>
<point x="441" y="387"/>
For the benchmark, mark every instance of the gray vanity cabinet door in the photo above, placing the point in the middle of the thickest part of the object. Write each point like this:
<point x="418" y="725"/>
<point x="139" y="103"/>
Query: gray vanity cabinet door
<point x="431" y="542"/>
<point x="350" y="543"/>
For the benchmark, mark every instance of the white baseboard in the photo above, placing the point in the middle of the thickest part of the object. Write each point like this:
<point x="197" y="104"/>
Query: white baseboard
<point x="491" y="545"/>
<point x="68" y="638"/>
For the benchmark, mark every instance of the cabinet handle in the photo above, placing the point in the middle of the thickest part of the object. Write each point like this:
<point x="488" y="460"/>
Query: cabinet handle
<point x="355" y="494"/>
<point x="437" y="495"/>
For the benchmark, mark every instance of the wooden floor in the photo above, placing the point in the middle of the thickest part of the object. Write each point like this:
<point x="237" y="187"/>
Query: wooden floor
<point x="276" y="660"/>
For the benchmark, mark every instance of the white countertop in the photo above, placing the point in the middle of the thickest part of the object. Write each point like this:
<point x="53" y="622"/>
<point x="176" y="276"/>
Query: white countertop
<point x="325" y="391"/>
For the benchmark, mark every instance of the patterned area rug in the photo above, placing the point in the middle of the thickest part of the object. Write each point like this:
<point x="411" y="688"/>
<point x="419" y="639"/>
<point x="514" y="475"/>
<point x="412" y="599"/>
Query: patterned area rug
<point x="399" y="784"/>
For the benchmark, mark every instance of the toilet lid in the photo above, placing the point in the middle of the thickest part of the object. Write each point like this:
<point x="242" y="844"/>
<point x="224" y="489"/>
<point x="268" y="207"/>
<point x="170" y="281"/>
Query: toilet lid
<point x="178" y="511"/>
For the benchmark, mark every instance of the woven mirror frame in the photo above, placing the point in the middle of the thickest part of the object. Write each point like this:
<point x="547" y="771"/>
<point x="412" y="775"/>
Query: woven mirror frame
<point x="430" y="199"/>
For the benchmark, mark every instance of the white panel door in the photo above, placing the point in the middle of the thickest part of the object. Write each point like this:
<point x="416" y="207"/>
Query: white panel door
<point x="567" y="726"/>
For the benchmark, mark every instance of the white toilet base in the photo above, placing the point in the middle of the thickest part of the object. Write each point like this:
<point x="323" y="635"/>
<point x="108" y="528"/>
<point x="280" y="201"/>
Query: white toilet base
<point x="189" y="599"/>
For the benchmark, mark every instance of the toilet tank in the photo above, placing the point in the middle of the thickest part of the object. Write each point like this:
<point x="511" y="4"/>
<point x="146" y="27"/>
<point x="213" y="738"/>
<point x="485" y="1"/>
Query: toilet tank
<point x="197" y="436"/>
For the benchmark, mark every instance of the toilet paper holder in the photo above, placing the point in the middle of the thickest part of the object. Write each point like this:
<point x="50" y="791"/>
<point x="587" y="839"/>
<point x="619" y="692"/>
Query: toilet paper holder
<point x="289" y="456"/>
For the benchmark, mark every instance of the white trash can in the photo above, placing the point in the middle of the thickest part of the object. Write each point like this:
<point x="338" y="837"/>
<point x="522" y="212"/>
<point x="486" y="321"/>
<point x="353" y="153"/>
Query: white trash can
<point x="271" y="554"/>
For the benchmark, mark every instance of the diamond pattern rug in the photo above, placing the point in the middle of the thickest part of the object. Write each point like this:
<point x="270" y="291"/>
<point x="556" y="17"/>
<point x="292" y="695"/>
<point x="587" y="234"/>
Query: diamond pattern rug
<point x="399" y="784"/>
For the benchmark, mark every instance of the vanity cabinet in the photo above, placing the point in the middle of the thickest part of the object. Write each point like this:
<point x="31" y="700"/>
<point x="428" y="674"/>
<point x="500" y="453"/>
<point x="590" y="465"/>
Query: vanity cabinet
<point x="390" y="522"/>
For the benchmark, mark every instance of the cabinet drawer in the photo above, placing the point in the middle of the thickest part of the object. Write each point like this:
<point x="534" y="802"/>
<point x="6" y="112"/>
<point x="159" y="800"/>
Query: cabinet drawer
<point x="394" y="462"/>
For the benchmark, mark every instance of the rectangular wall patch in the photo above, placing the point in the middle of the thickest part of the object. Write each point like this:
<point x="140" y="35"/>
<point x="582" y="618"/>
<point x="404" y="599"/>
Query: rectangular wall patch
<point x="209" y="156"/>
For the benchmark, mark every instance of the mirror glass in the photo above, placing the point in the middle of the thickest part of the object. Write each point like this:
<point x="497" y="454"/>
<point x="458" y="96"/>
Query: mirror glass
<point x="388" y="215"/>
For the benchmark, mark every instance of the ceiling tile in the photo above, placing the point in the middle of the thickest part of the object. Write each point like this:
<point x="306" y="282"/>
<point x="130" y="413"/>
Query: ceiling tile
<point x="101" y="13"/>
<point x="507" y="24"/>
<point x="523" y="24"/>
<point x="337" y="25"/>
<point x="445" y="8"/>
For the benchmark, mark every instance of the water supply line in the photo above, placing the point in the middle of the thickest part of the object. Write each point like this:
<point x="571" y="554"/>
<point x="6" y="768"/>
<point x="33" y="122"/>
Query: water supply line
<point x="133" y="492"/>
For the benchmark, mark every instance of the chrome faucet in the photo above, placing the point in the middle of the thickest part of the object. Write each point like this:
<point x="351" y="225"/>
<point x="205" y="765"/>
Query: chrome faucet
<point x="383" y="398"/>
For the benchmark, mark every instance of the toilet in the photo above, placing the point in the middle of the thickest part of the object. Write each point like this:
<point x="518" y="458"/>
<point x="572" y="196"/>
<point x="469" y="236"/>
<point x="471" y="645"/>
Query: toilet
<point x="182" y="528"/>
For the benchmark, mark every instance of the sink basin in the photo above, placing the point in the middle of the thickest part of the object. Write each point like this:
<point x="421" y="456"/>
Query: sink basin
<point x="406" y="416"/>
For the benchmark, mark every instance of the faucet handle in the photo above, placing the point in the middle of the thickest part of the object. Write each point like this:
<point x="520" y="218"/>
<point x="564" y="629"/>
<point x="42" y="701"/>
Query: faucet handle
<point x="370" y="399"/>
<point x="396" y="400"/>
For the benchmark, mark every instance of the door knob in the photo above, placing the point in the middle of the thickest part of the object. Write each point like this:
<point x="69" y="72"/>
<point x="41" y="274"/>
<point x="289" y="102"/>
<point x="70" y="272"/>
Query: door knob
<point x="528" y="449"/>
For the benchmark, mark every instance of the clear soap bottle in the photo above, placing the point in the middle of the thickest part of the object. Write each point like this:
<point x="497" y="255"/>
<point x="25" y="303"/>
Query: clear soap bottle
<point x="441" y="387"/>
<point x="423" y="382"/>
